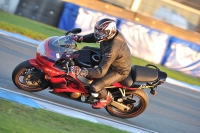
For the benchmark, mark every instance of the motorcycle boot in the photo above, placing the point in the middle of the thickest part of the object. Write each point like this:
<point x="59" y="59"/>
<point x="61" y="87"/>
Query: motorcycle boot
<point x="103" y="102"/>
<point x="90" y="99"/>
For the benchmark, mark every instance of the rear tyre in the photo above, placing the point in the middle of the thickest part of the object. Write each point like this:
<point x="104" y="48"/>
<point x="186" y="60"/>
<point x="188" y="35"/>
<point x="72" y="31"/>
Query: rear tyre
<point x="28" y="78"/>
<point x="141" y="102"/>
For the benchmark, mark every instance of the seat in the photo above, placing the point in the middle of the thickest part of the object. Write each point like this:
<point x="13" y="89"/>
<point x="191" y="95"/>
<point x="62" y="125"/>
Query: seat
<point x="140" y="75"/>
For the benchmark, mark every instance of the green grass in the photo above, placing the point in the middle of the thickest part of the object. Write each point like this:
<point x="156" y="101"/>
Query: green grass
<point x="18" y="118"/>
<point x="39" y="30"/>
<point x="29" y="24"/>
<point x="23" y="31"/>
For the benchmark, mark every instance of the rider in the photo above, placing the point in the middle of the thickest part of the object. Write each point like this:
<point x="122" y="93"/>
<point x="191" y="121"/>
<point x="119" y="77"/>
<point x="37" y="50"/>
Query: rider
<point x="115" y="64"/>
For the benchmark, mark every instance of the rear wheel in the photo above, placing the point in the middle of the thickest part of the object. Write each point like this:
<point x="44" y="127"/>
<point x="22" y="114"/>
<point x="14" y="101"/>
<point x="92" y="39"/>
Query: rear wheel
<point x="28" y="78"/>
<point x="141" y="101"/>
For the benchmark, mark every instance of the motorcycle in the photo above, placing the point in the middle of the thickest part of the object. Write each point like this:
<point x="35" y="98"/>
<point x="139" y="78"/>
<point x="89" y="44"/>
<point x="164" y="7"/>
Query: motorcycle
<point x="53" y="69"/>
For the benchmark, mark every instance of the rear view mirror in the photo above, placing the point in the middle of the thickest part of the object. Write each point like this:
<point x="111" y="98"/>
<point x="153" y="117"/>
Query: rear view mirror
<point x="74" y="31"/>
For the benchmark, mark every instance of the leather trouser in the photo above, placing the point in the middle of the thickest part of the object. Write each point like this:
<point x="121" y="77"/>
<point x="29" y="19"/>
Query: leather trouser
<point x="97" y="86"/>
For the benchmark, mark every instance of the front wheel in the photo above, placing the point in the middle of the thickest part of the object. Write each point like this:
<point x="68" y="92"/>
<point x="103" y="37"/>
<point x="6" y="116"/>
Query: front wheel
<point x="28" y="78"/>
<point x="141" y="101"/>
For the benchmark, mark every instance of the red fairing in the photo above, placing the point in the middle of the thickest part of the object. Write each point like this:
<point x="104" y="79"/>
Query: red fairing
<point x="73" y="84"/>
<point x="117" y="85"/>
<point x="132" y="89"/>
<point x="35" y="63"/>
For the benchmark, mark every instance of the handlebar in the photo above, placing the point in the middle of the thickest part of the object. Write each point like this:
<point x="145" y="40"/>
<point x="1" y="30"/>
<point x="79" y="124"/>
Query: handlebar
<point x="73" y="31"/>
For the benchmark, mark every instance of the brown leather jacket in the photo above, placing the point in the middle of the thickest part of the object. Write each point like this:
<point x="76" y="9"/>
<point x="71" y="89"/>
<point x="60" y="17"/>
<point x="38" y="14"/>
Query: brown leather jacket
<point x="115" y="56"/>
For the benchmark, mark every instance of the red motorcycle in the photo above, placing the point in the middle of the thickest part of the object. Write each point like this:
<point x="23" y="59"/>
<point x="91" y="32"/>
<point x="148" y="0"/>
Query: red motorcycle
<point x="53" y="68"/>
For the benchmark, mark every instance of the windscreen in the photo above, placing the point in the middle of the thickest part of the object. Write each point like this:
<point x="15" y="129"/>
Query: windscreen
<point x="54" y="47"/>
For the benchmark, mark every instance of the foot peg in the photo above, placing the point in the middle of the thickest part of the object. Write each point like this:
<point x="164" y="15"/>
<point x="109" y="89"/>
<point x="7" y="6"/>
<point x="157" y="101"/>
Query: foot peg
<point x="90" y="99"/>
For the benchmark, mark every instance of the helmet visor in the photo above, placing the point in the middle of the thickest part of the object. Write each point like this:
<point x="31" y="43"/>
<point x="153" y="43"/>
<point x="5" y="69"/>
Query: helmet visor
<point x="99" y="34"/>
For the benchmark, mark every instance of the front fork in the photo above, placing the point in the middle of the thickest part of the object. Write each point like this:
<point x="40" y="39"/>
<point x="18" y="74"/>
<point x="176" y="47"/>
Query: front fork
<point x="34" y="62"/>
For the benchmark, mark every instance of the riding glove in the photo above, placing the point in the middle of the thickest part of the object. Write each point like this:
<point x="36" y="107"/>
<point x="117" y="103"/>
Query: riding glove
<point x="78" y="38"/>
<point x="79" y="71"/>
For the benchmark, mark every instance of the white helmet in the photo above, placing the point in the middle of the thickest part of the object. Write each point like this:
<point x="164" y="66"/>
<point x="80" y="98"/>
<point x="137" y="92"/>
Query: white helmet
<point x="105" y="29"/>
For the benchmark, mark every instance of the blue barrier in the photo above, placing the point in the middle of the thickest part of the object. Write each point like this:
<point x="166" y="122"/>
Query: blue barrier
<point x="183" y="56"/>
<point x="86" y="19"/>
<point x="68" y="17"/>
<point x="144" y="42"/>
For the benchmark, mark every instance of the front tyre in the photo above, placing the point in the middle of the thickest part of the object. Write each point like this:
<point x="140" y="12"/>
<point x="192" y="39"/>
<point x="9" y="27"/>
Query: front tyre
<point x="141" y="102"/>
<point x="28" y="78"/>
